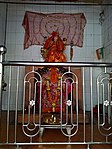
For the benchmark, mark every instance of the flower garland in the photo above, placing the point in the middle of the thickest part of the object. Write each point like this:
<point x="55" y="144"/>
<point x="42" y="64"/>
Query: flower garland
<point x="48" y="88"/>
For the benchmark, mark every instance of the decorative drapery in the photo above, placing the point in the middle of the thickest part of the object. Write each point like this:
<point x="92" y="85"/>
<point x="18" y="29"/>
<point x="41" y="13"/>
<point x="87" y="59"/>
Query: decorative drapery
<point x="39" y="26"/>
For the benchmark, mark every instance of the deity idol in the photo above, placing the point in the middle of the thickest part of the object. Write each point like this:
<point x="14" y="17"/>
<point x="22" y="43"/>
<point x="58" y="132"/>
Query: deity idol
<point x="53" y="49"/>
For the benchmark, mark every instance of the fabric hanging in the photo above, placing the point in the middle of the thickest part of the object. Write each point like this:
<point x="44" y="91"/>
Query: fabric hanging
<point x="39" y="26"/>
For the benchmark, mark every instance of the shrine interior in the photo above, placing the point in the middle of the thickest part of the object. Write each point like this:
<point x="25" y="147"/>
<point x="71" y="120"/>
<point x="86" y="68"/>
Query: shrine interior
<point x="84" y="29"/>
<point x="97" y="34"/>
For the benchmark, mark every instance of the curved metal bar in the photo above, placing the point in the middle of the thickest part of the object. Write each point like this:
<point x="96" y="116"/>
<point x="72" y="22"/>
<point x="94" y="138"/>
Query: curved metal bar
<point x="101" y="79"/>
<point x="35" y="125"/>
<point x="72" y="125"/>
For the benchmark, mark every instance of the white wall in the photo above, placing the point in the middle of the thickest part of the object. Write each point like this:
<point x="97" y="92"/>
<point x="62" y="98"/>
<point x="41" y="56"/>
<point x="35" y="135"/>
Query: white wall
<point x="15" y="32"/>
<point x="2" y="23"/>
<point x="107" y="32"/>
<point x="15" y="38"/>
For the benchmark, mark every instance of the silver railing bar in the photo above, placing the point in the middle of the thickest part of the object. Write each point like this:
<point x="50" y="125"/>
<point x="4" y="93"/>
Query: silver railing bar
<point x="1" y="73"/>
<point x="83" y="84"/>
<point x="103" y="107"/>
<point x="91" y="100"/>
<point x="34" y="120"/>
<point x="29" y="109"/>
<point x="17" y="91"/>
<point x="76" y="64"/>
<point x="57" y="143"/>
<point x="109" y="108"/>
<point x="98" y="95"/>
<point x="8" y="111"/>
<point x="105" y="69"/>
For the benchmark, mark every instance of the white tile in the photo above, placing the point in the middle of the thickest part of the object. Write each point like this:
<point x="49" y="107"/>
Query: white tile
<point x="28" y="7"/>
<point x="89" y="9"/>
<point x="110" y="10"/>
<point x="97" y="8"/>
<point x="11" y="26"/>
<point x="97" y="28"/>
<point x="19" y="27"/>
<point x="12" y="17"/>
<point x="96" y="17"/>
<point x="11" y="47"/>
<point x="110" y="34"/>
<point x="89" y="28"/>
<point x="90" y="40"/>
<point x="89" y="17"/>
<point x="27" y="58"/>
<point x="11" y="38"/>
<point x="34" y="8"/>
<point x="20" y="12"/>
<point x="12" y="7"/>
<point x="97" y="40"/>
<point x="20" y="18"/>
<point x="19" y="38"/>
<point x="20" y="7"/>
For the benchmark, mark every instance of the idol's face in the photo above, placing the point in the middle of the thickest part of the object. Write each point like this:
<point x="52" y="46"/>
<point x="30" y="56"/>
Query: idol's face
<point x="55" y="38"/>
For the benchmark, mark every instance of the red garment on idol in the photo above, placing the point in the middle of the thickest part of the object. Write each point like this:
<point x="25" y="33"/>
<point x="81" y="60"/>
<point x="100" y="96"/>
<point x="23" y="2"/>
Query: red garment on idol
<point x="55" y="49"/>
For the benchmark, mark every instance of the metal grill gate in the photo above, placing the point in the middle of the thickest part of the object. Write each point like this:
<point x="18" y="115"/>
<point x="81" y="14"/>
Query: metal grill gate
<point x="95" y="124"/>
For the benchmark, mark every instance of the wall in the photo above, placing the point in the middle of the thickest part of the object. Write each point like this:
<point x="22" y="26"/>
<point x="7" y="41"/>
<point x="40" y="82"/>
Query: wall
<point x="2" y="23"/>
<point x="15" y="32"/>
<point x="15" y="38"/>
<point x="107" y="32"/>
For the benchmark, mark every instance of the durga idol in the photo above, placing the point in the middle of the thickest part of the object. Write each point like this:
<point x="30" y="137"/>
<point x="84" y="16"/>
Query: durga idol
<point x="52" y="51"/>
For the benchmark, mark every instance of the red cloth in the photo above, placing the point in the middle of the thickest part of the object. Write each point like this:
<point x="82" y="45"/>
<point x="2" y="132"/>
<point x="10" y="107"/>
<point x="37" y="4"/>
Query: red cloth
<point x="59" y="44"/>
<point x="38" y="26"/>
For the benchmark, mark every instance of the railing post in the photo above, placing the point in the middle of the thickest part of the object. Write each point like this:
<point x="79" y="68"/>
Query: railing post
<point x="2" y="52"/>
<point x="88" y="146"/>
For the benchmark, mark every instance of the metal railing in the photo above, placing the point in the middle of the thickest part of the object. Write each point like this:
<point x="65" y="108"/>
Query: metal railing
<point x="20" y="126"/>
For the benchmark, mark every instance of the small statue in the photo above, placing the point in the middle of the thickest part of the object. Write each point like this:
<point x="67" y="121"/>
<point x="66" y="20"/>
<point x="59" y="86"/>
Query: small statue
<point x="53" y="49"/>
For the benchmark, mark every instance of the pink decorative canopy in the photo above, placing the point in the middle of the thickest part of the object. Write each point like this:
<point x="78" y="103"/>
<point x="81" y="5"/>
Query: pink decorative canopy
<point x="39" y="26"/>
